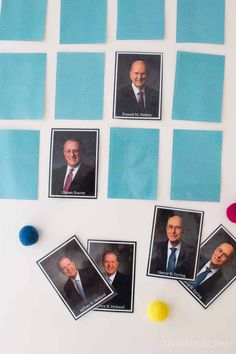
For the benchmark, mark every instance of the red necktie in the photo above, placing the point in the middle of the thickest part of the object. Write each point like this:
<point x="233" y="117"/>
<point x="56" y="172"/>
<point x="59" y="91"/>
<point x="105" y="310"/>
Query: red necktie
<point x="141" y="100"/>
<point x="68" y="180"/>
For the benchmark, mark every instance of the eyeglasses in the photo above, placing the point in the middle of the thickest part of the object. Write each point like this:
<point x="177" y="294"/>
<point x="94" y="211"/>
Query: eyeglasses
<point x="74" y="151"/>
<point x="175" y="228"/>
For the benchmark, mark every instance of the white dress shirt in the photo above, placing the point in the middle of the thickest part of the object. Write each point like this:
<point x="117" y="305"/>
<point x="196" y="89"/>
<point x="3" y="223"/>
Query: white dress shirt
<point x="136" y="91"/>
<point x="75" y="170"/>
<point x="213" y="271"/>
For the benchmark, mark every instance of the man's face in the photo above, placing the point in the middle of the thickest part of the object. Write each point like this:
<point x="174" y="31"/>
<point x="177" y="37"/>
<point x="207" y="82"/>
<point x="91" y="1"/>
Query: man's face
<point x="138" y="73"/>
<point x="221" y="255"/>
<point x="110" y="264"/>
<point x="174" y="229"/>
<point x="68" y="267"/>
<point x="72" y="153"/>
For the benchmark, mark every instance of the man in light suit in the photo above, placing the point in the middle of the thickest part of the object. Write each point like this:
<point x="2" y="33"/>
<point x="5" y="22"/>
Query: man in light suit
<point x="76" y="178"/>
<point x="210" y="279"/>
<point x="82" y="286"/>
<point x="173" y="257"/>
<point x="120" y="282"/>
<point x="137" y="99"/>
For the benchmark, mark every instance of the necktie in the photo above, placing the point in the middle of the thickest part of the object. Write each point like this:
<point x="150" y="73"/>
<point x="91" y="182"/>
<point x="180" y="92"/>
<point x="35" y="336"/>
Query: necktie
<point x="109" y="280"/>
<point x="141" y="100"/>
<point x="80" y="288"/>
<point x="68" y="180"/>
<point x="200" y="278"/>
<point x="172" y="260"/>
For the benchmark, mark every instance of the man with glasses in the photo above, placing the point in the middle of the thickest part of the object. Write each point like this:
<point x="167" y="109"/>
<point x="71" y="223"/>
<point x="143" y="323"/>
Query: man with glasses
<point x="75" y="178"/>
<point x="174" y="257"/>
<point x="210" y="278"/>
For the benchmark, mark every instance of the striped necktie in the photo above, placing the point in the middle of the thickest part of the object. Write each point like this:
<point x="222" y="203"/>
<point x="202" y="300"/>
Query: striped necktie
<point x="200" y="278"/>
<point x="141" y="100"/>
<point x="69" y="179"/>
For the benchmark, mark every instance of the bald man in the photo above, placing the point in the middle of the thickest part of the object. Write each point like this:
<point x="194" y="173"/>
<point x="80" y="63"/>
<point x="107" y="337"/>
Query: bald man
<point x="210" y="279"/>
<point x="82" y="285"/>
<point x="173" y="257"/>
<point x="74" y="178"/>
<point x="137" y="100"/>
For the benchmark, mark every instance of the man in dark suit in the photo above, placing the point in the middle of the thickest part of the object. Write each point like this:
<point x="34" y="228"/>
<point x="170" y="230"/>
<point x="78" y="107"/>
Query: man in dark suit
<point x="76" y="178"/>
<point x="173" y="257"/>
<point x="120" y="282"/>
<point x="137" y="99"/>
<point x="82" y="286"/>
<point x="210" y="279"/>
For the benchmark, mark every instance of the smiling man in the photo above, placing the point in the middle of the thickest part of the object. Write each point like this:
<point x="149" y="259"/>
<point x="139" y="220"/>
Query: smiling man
<point x="74" y="178"/>
<point x="210" y="278"/>
<point x="173" y="257"/>
<point x="120" y="282"/>
<point x="82" y="285"/>
<point x="137" y="99"/>
<point x="74" y="287"/>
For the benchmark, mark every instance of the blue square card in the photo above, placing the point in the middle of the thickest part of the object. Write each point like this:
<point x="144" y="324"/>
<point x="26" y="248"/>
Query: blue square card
<point x="196" y="165"/>
<point x="200" y="21"/>
<point x="80" y="84"/>
<point x="140" y="19"/>
<point x="22" y="20"/>
<point x="19" y="157"/>
<point x="83" y="21"/>
<point x="133" y="163"/>
<point x="22" y="85"/>
<point x="198" y="89"/>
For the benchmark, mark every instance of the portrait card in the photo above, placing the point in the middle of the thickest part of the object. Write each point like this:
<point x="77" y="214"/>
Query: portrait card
<point x="216" y="268"/>
<point x="137" y="86"/>
<point x="75" y="277"/>
<point x="175" y="243"/>
<point x="73" y="163"/>
<point x="116" y="260"/>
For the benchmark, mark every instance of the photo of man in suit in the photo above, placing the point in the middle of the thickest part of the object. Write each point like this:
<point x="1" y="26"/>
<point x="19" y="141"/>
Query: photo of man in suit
<point x="174" y="257"/>
<point x="210" y="278"/>
<point x="75" y="277"/>
<point x="116" y="260"/>
<point x="137" y="99"/>
<point x="120" y="282"/>
<point x="75" y="177"/>
<point x="175" y="243"/>
<point x="74" y="286"/>
<point x="73" y="168"/>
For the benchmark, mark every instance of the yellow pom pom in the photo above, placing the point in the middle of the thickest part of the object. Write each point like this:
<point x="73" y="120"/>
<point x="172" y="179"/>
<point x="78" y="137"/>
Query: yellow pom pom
<point x="157" y="311"/>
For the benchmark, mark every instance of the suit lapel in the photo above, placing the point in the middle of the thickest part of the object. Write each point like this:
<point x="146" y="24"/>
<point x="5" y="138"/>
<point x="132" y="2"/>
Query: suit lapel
<point x="75" y="185"/>
<point x="181" y="257"/>
<point x="163" y="259"/>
